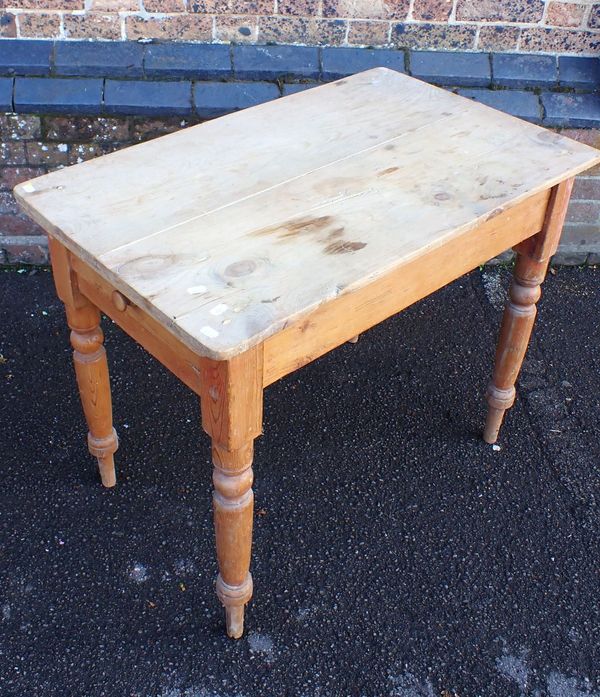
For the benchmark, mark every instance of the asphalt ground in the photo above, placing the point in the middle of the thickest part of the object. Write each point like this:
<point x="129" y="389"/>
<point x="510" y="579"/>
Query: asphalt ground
<point x="395" y="553"/>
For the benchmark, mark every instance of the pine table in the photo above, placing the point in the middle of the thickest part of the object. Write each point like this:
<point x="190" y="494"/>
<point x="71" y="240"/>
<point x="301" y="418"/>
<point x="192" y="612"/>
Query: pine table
<point x="241" y="249"/>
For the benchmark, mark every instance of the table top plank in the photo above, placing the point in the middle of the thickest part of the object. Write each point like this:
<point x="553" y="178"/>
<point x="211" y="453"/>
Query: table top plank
<point x="228" y="231"/>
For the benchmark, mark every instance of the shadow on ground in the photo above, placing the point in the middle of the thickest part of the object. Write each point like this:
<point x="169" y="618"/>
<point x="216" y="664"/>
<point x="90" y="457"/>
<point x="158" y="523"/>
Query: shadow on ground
<point x="395" y="553"/>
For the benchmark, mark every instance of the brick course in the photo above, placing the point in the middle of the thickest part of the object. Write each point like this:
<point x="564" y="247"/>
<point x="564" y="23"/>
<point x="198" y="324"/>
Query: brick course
<point x="537" y="26"/>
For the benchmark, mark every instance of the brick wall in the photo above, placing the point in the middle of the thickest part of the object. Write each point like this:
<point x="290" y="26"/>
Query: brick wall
<point x="496" y="25"/>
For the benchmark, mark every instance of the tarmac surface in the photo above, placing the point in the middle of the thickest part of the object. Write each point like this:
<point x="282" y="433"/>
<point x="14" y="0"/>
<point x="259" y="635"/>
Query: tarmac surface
<point x="395" y="553"/>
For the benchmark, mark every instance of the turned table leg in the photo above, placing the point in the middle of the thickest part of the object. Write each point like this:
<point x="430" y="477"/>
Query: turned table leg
<point x="533" y="257"/>
<point x="231" y="402"/>
<point x="91" y="369"/>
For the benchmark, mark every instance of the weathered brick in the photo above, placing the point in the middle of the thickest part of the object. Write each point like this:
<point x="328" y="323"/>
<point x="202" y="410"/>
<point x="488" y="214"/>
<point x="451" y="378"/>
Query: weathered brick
<point x="594" y="19"/>
<point x="83" y="128"/>
<point x="569" y="255"/>
<point x="433" y="36"/>
<point x="446" y="68"/>
<point x="8" y="25"/>
<point x="80" y="152"/>
<point x="115" y="5"/>
<point x="579" y="72"/>
<point x="498" y="38"/>
<point x="47" y="154"/>
<point x="275" y="62"/>
<point x="25" y="57"/>
<point x="586" y="188"/>
<point x="500" y="10"/>
<point x="25" y="250"/>
<point x="19" y="126"/>
<point x="164" y="5"/>
<point x="301" y="30"/>
<point x="58" y="95"/>
<point x="146" y="129"/>
<point x="432" y="10"/>
<point x="12" y="152"/>
<point x="366" y="9"/>
<point x="520" y="103"/>
<point x="92" y="25"/>
<point x="241" y="7"/>
<point x="593" y="258"/>
<point x="565" y="109"/>
<point x="11" y="176"/>
<point x="522" y="70"/>
<point x="18" y="224"/>
<point x="185" y="27"/>
<point x="40" y="25"/>
<point x="216" y="98"/>
<point x="560" y="40"/>
<point x="584" y="212"/>
<point x="137" y="97"/>
<point x="66" y="5"/>
<point x="195" y="61"/>
<point x="589" y="136"/>
<point x="340" y="62"/>
<point x="6" y="93"/>
<point x="368" y="32"/>
<point x="565" y="14"/>
<point x="584" y="235"/>
<point x="99" y="59"/>
<point x="236" y="29"/>
<point x="8" y="203"/>
<point x="300" y="8"/>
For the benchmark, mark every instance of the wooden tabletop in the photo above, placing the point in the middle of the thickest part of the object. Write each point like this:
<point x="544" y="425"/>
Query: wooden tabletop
<point x="227" y="231"/>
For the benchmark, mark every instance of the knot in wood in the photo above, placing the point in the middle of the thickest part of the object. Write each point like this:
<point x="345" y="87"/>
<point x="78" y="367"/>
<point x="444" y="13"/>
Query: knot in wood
<point x="87" y="342"/>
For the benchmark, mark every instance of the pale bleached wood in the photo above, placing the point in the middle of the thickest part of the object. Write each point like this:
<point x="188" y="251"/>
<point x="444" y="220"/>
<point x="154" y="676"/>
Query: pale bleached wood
<point x="287" y="220"/>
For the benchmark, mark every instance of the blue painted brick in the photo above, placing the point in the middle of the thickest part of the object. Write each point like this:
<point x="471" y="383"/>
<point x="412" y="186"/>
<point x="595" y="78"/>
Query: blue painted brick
<point x="99" y="58"/>
<point x="25" y="57"/>
<point x="340" y="62"/>
<point x="196" y="61"/>
<point x="451" y="68"/>
<point x="525" y="105"/>
<point x="275" y="62"/>
<point x="574" y="110"/>
<point x="295" y="87"/>
<point x="6" y="93"/>
<point x="523" y="70"/>
<point x="580" y="72"/>
<point x="148" y="98"/>
<point x="217" y="98"/>
<point x="58" y="95"/>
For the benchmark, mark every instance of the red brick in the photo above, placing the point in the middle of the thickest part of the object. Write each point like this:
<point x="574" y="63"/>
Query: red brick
<point x="92" y="26"/>
<point x="8" y="203"/>
<point x="18" y="224"/>
<point x="498" y="38"/>
<point x="11" y="176"/>
<point x="368" y="32"/>
<point x="560" y="41"/>
<point x="33" y="252"/>
<point x="115" y="5"/>
<point x="433" y="36"/>
<point x="587" y="188"/>
<point x="300" y="8"/>
<point x="146" y="129"/>
<point x="500" y="10"/>
<point x="50" y="155"/>
<point x="83" y="128"/>
<point x="238" y="29"/>
<point x="80" y="152"/>
<point x="432" y="10"/>
<point x="594" y="19"/>
<point x="164" y="5"/>
<point x="584" y="212"/>
<point x="300" y="30"/>
<point x="366" y="9"/>
<point x="66" y="5"/>
<point x="45" y="25"/>
<point x="236" y="7"/>
<point x="565" y="14"/>
<point x="175" y="27"/>
<point x="8" y="26"/>
<point x="13" y="153"/>
<point x="588" y="136"/>
<point x="19" y="126"/>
